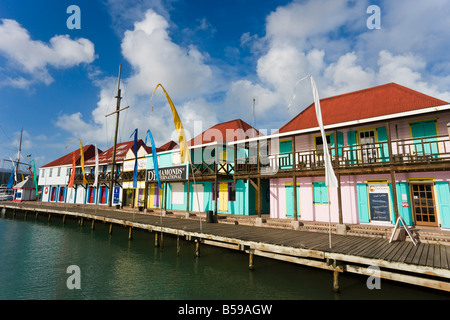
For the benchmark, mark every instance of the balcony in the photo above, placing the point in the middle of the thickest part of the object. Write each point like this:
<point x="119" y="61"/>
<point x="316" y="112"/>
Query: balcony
<point x="406" y="154"/>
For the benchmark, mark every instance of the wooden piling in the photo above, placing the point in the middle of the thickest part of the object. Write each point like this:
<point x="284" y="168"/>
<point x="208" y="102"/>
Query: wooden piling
<point x="197" y="248"/>
<point x="92" y="225"/>
<point x="49" y="217"/>
<point x="130" y="235"/>
<point x="64" y="219"/>
<point x="178" y="245"/>
<point x="110" y="228"/>
<point x="161" y="241"/>
<point x="335" y="281"/>
<point x="156" y="239"/>
<point x="251" y="262"/>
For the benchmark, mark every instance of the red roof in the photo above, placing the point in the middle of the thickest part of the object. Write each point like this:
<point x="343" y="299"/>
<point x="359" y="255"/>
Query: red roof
<point x="233" y="130"/>
<point x="121" y="151"/>
<point x="88" y="151"/>
<point x="372" y="102"/>
<point x="167" y="146"/>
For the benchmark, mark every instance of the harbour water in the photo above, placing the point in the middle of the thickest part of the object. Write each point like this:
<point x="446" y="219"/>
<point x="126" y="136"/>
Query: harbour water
<point x="35" y="256"/>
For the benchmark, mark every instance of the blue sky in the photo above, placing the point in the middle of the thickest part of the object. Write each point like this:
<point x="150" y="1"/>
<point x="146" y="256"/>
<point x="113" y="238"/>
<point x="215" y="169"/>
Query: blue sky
<point x="212" y="57"/>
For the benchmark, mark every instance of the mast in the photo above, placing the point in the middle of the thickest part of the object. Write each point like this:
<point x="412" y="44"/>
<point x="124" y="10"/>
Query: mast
<point x="18" y="154"/>
<point x="113" y="165"/>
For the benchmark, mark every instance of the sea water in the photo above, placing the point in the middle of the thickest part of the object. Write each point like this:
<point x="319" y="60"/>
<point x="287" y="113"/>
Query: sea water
<point x="37" y="259"/>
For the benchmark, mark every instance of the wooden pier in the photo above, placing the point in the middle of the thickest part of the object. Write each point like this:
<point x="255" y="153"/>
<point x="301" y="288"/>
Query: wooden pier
<point x="424" y="264"/>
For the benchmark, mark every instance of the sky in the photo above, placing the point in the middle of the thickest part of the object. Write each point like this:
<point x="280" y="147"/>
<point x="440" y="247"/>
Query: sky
<point x="214" y="58"/>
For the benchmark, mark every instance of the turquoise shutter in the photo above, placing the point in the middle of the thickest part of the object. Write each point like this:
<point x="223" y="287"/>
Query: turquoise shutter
<point x="363" y="206"/>
<point x="425" y="129"/>
<point x="340" y="142"/>
<point x="404" y="212"/>
<point x="384" y="149"/>
<point x="351" y="141"/>
<point x="443" y="195"/>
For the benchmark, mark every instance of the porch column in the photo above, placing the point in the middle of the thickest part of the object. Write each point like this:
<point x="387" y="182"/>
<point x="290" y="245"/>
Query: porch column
<point x="393" y="179"/>
<point x="187" y="193"/>
<point x="259" y="197"/>
<point x="295" y="198"/>
<point x="145" y="195"/>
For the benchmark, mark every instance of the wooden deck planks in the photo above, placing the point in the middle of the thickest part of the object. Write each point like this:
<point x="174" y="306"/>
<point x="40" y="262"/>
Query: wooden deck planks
<point x="431" y="255"/>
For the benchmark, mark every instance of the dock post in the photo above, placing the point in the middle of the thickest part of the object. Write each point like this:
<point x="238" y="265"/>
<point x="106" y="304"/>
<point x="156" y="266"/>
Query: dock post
<point x="110" y="228"/>
<point x="92" y="225"/>
<point x="335" y="281"/>
<point x="161" y="242"/>
<point x="130" y="236"/>
<point x="178" y="245"/>
<point x="156" y="239"/>
<point x="251" y="262"/>
<point x="64" y="219"/>
<point x="80" y="222"/>
<point x="36" y="215"/>
<point x="197" y="248"/>
<point x="49" y="217"/>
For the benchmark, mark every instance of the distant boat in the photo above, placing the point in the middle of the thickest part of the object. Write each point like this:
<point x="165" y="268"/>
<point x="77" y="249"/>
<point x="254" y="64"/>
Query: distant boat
<point x="6" y="194"/>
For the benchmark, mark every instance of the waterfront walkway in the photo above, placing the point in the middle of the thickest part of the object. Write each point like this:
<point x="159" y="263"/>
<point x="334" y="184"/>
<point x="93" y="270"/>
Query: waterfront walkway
<point x="424" y="264"/>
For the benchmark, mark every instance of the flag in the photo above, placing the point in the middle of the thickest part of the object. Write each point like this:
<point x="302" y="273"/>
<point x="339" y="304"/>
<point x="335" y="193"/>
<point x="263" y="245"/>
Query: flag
<point x="155" y="157"/>
<point x="35" y="178"/>
<point x="82" y="162"/>
<point x="184" y="150"/>
<point x="330" y="177"/>
<point x="96" y="167"/>
<point x="72" y="175"/>
<point x="135" y="158"/>
<point x="11" y="177"/>
<point x="81" y="159"/>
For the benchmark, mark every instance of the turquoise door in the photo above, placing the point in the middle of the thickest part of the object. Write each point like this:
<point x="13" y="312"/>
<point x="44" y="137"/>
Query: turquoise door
<point x="443" y="197"/>
<point x="363" y="205"/>
<point x="290" y="201"/>
<point x="423" y="129"/>
<point x="285" y="161"/>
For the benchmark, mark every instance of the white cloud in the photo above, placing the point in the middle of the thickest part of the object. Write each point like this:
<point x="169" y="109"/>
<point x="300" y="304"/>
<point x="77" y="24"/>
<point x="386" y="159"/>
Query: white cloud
<point x="33" y="57"/>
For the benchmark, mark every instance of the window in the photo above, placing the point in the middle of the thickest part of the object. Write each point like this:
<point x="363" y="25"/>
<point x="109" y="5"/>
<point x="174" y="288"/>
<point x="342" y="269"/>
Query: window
<point x="319" y="144"/>
<point x="369" y="150"/>
<point x="50" y="173"/>
<point x="231" y="191"/>
<point x="320" y="193"/>
<point x="58" y="172"/>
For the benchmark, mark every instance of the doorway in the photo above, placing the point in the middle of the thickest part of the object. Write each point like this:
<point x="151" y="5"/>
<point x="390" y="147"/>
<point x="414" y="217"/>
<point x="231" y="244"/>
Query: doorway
<point x="424" y="204"/>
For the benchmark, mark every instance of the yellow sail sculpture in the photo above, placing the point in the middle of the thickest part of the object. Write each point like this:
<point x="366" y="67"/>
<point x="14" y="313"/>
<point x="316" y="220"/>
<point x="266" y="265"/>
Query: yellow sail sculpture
<point x="81" y="159"/>
<point x="184" y="150"/>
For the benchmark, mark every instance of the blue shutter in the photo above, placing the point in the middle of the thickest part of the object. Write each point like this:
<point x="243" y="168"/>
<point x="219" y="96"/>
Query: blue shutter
<point x="384" y="149"/>
<point x="363" y="206"/>
<point x="443" y="197"/>
<point x="351" y="141"/>
<point x="340" y="142"/>
<point x="404" y="212"/>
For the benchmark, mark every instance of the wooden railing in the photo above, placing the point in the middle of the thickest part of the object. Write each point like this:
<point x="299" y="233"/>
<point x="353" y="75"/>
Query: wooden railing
<point x="405" y="151"/>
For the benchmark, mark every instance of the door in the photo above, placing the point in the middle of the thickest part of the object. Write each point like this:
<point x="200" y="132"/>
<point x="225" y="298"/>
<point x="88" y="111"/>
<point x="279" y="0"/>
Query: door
<point x="368" y="148"/>
<point x="61" y="194"/>
<point x="424" y="204"/>
<point x="290" y="200"/>
<point x="196" y="202"/>
<point x="223" y="197"/>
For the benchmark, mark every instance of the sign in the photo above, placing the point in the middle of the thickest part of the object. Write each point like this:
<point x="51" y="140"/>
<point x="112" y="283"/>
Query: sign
<point x="175" y="173"/>
<point x="116" y="195"/>
<point x="405" y="204"/>
<point x="379" y="202"/>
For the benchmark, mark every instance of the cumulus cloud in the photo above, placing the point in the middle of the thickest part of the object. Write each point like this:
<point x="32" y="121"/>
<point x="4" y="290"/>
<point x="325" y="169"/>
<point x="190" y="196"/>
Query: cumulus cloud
<point x="33" y="57"/>
<point x="155" y="58"/>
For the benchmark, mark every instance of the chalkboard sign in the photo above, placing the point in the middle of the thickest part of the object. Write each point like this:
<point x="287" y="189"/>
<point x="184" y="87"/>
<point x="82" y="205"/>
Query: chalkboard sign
<point x="379" y="206"/>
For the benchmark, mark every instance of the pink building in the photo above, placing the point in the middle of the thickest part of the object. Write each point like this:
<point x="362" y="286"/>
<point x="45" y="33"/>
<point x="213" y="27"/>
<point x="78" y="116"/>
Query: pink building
<point x="375" y="137"/>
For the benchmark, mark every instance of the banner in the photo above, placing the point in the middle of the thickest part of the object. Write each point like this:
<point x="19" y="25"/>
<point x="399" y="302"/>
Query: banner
<point x="72" y="175"/>
<point x="135" y="158"/>
<point x="184" y="150"/>
<point x="96" y="167"/>
<point x="154" y="156"/>
<point x="35" y="178"/>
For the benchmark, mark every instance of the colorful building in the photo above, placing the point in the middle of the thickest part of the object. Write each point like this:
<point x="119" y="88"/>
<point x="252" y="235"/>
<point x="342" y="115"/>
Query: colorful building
<point x="389" y="147"/>
<point x="207" y="183"/>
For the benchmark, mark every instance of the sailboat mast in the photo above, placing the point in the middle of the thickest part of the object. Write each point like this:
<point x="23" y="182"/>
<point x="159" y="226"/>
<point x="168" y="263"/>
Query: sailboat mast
<point x="18" y="153"/>
<point x="111" y="183"/>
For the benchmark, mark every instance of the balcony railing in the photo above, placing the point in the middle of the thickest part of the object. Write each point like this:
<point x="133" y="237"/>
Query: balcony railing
<point x="406" y="151"/>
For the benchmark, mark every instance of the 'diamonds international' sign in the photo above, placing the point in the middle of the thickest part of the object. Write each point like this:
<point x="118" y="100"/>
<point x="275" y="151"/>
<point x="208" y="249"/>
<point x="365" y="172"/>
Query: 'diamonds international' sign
<point x="175" y="173"/>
